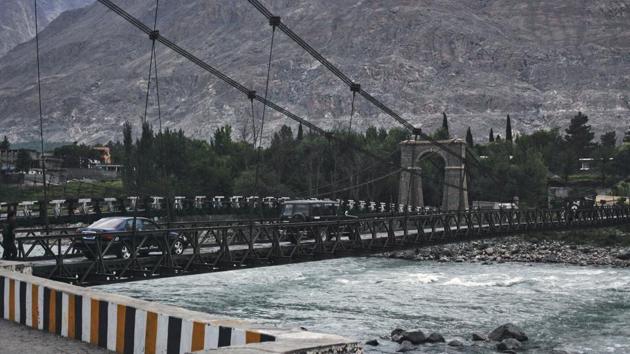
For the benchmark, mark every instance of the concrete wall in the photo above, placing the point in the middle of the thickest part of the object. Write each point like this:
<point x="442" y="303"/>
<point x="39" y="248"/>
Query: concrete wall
<point x="126" y="325"/>
<point x="114" y="322"/>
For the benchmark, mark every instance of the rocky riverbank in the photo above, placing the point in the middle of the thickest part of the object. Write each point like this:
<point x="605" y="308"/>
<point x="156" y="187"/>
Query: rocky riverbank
<point x="528" y="249"/>
<point x="507" y="338"/>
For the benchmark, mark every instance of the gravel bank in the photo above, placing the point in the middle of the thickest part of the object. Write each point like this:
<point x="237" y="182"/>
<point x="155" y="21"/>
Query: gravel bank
<point x="522" y="249"/>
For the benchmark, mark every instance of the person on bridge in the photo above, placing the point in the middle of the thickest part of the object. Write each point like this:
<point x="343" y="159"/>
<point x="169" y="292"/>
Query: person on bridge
<point x="8" y="237"/>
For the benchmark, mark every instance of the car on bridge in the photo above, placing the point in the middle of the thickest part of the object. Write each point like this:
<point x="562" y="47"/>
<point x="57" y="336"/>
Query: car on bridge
<point x="309" y="210"/>
<point x="312" y="210"/>
<point x="116" y="236"/>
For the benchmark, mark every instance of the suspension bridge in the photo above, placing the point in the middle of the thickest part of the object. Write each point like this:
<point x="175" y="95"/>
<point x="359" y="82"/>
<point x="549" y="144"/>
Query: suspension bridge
<point x="263" y="240"/>
<point x="190" y="240"/>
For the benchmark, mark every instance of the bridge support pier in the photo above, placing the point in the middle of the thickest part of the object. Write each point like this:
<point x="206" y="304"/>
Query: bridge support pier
<point x="412" y="195"/>
<point x="455" y="189"/>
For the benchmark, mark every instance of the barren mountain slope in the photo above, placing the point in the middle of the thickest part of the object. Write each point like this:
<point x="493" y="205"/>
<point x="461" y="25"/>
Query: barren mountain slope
<point x="540" y="61"/>
<point x="17" y="23"/>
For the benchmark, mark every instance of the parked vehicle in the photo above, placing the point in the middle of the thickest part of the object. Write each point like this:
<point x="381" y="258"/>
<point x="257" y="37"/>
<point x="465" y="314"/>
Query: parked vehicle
<point x="308" y="210"/>
<point x="313" y="210"/>
<point x="493" y="205"/>
<point x="118" y="231"/>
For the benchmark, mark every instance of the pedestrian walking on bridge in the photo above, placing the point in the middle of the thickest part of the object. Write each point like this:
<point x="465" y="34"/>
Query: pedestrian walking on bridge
<point x="8" y="237"/>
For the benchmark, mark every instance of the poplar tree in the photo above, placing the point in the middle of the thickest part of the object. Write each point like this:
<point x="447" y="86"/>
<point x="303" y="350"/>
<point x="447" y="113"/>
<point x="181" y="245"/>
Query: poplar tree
<point x="580" y="135"/>
<point x="443" y="133"/>
<point x="469" y="138"/>
<point x="5" y="145"/>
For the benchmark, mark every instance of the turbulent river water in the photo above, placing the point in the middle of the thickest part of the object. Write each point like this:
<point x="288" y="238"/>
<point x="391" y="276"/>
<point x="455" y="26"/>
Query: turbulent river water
<point x="577" y="309"/>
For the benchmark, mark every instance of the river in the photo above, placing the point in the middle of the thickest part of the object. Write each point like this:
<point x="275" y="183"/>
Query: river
<point x="577" y="309"/>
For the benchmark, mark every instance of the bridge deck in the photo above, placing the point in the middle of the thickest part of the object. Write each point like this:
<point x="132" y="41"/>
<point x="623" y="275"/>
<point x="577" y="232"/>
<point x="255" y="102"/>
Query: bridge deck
<point x="229" y="247"/>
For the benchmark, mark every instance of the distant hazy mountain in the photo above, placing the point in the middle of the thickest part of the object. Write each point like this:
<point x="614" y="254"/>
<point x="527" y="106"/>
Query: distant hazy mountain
<point x="540" y="61"/>
<point x="17" y="23"/>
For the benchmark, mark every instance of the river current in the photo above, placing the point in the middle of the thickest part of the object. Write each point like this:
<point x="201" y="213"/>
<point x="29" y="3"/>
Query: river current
<point x="577" y="309"/>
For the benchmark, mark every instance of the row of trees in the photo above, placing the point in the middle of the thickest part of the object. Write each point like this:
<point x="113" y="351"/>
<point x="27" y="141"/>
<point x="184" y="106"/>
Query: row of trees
<point x="526" y="164"/>
<point x="24" y="161"/>
<point x="301" y="164"/>
<point x="521" y="165"/>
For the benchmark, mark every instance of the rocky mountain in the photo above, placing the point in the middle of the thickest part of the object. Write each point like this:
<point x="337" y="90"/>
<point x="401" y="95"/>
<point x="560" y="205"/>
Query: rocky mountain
<point x="17" y="21"/>
<point x="478" y="60"/>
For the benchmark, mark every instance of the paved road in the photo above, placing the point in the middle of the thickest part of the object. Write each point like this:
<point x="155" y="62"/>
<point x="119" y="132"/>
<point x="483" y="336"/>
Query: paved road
<point x="16" y="339"/>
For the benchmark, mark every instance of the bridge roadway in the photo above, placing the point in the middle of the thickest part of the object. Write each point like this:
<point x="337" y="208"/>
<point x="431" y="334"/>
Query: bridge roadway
<point x="241" y="245"/>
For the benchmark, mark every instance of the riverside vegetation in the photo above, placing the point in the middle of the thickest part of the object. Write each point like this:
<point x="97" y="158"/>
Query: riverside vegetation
<point x="303" y="164"/>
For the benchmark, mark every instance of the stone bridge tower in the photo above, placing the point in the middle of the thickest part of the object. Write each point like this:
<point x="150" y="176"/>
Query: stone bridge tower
<point x="455" y="195"/>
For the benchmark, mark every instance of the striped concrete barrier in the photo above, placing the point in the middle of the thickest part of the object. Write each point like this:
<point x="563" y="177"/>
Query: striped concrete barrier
<point x="115" y="322"/>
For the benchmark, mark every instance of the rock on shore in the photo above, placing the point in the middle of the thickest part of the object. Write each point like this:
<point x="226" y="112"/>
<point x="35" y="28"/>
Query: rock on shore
<point x="520" y="249"/>
<point x="506" y="338"/>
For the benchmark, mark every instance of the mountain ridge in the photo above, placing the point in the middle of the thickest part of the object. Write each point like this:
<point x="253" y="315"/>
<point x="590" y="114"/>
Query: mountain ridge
<point x="478" y="61"/>
<point x="18" y="19"/>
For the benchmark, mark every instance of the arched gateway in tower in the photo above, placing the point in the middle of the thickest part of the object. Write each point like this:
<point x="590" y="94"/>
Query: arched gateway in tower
<point x="455" y="194"/>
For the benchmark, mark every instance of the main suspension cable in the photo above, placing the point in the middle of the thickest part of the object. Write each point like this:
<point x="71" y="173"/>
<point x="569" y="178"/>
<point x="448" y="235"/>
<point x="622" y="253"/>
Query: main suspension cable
<point x="41" y="117"/>
<point x="273" y="22"/>
<point x="359" y="185"/>
<point x="157" y="92"/>
<point x="251" y="96"/>
<point x="205" y="66"/>
<point x="332" y="68"/>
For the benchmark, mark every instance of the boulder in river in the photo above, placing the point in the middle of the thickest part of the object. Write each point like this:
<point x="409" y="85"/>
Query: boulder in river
<point x="455" y="343"/>
<point x="435" y="338"/>
<point x="509" y="344"/>
<point x="405" y="346"/>
<point x="397" y="335"/>
<point x="624" y="255"/>
<point x="479" y="337"/>
<point x="372" y="343"/>
<point x="415" y="337"/>
<point x="506" y="331"/>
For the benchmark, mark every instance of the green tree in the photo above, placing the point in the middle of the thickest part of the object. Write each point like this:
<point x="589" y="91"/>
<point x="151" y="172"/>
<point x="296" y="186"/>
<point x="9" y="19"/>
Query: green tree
<point x="129" y="164"/>
<point x="445" y="122"/>
<point x="621" y="162"/>
<point x="530" y="174"/>
<point x="24" y="161"/>
<point x="222" y="141"/>
<point x="300" y="133"/>
<point x="605" y="153"/>
<point x="579" y="135"/>
<point x="145" y="160"/>
<point x="626" y="136"/>
<point x="609" y="140"/>
<point x="508" y="129"/>
<point x="117" y="152"/>
<point x="469" y="138"/>
<point x="491" y="136"/>
<point x="5" y="145"/>
<point x="622" y="189"/>
<point x="443" y="132"/>
<point x="76" y="155"/>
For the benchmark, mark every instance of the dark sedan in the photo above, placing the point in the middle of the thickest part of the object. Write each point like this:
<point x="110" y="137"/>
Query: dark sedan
<point x="115" y="232"/>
